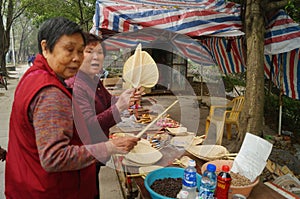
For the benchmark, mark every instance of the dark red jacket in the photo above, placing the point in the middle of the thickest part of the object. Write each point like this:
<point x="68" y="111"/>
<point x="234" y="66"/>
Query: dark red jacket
<point x="24" y="175"/>
<point x="97" y="105"/>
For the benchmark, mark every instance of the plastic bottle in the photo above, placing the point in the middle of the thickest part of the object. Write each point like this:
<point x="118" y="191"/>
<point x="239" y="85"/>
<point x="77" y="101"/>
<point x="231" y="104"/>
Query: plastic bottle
<point x="189" y="182"/>
<point x="208" y="183"/>
<point x="223" y="184"/>
<point x="182" y="195"/>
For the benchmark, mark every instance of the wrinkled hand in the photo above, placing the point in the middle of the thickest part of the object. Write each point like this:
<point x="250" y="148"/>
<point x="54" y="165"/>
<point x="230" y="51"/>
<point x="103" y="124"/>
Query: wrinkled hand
<point x="123" y="145"/>
<point x="137" y="95"/>
<point x="128" y="98"/>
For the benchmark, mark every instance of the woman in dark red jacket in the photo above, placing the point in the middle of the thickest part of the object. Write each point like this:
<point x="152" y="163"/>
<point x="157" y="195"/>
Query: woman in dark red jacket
<point x="48" y="156"/>
<point x="100" y="109"/>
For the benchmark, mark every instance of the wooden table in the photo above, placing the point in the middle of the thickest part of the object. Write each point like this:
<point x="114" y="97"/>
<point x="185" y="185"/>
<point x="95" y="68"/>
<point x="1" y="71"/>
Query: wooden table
<point x="261" y="191"/>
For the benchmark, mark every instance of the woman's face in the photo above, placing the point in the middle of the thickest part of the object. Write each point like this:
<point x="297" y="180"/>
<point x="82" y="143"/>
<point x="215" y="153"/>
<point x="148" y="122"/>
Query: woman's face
<point x="67" y="55"/>
<point x="93" y="59"/>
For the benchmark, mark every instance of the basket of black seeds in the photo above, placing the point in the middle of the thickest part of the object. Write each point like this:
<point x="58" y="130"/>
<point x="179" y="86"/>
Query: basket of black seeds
<point x="165" y="183"/>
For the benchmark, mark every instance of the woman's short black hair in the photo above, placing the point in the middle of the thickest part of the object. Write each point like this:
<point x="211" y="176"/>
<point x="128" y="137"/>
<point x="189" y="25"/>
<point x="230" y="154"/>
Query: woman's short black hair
<point x="54" y="28"/>
<point x="92" y="38"/>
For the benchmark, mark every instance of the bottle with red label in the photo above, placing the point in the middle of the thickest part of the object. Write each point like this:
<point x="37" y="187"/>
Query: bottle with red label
<point x="223" y="184"/>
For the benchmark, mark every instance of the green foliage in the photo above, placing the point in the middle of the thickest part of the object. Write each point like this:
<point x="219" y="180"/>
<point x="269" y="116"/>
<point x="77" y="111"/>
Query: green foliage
<point x="290" y="113"/>
<point x="293" y="10"/>
<point x="232" y="80"/>
<point x="80" y="11"/>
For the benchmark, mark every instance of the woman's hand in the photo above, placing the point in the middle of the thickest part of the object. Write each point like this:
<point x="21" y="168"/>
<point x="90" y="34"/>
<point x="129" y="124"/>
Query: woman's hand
<point x="129" y="97"/>
<point x="122" y="145"/>
<point x="137" y="95"/>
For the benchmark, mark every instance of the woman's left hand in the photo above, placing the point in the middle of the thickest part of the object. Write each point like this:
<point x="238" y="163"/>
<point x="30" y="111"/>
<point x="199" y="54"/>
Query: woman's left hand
<point x="137" y="95"/>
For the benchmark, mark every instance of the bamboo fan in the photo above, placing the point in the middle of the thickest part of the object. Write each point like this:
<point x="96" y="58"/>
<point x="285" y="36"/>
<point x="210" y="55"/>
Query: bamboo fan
<point x="140" y="69"/>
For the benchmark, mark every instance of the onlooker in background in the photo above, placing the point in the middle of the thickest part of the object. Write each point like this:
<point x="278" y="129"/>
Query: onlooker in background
<point x="47" y="154"/>
<point x="2" y="154"/>
<point x="31" y="59"/>
<point x="100" y="109"/>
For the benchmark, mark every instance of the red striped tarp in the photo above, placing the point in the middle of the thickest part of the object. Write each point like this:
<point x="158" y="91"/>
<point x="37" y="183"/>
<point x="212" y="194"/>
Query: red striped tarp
<point x="227" y="53"/>
<point x="199" y="18"/>
<point x="192" y="18"/>
<point x="169" y="41"/>
<point x="282" y="34"/>
<point x="290" y="62"/>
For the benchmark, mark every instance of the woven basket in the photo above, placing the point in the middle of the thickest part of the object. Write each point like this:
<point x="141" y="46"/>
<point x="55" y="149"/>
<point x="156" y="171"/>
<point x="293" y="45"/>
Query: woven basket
<point x="208" y="152"/>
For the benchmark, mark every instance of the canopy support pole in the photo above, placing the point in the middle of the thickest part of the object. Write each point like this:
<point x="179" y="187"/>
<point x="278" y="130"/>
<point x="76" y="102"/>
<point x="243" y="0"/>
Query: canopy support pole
<point x="280" y="94"/>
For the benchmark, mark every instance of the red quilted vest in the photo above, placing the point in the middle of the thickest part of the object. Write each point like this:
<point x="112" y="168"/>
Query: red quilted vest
<point x="24" y="176"/>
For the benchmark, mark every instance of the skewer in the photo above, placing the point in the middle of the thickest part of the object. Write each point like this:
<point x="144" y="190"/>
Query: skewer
<point x="154" y="120"/>
<point x="137" y="175"/>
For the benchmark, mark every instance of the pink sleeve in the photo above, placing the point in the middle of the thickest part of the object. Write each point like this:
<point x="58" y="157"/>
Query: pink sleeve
<point x="53" y="124"/>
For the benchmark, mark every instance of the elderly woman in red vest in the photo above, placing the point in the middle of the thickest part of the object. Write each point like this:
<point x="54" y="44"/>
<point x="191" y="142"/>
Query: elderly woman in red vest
<point x="49" y="154"/>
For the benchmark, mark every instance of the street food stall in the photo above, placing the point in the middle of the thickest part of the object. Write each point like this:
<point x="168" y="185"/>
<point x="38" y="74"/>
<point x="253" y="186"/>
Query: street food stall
<point x="166" y="140"/>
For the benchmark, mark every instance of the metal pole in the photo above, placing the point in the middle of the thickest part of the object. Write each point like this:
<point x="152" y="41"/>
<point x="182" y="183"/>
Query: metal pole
<point x="280" y="94"/>
<point x="13" y="46"/>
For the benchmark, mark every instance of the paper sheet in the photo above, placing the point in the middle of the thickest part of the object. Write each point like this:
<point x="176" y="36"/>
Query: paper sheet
<point x="252" y="157"/>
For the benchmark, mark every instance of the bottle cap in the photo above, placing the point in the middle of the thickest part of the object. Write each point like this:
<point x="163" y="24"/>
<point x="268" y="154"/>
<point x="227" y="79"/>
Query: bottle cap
<point x="225" y="168"/>
<point x="192" y="163"/>
<point x="211" y="167"/>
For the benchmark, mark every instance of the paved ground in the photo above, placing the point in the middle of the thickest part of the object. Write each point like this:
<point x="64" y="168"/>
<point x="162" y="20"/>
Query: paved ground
<point x="6" y="99"/>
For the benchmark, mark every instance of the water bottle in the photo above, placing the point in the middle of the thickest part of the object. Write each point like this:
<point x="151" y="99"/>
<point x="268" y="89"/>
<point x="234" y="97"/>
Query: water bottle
<point x="189" y="181"/>
<point x="208" y="183"/>
<point x="223" y="184"/>
<point x="182" y="195"/>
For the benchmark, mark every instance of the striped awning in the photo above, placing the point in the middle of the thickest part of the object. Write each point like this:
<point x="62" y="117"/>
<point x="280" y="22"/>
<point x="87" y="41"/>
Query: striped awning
<point x="282" y="34"/>
<point x="290" y="62"/>
<point x="165" y="40"/>
<point x="192" y="18"/>
<point x="227" y="52"/>
<point x="219" y="20"/>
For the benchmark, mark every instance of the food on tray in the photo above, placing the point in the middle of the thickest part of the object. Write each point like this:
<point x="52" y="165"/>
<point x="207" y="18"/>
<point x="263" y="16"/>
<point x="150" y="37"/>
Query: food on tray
<point x="158" y="140"/>
<point x="167" y="122"/>
<point x="144" y="119"/>
<point x="177" y="130"/>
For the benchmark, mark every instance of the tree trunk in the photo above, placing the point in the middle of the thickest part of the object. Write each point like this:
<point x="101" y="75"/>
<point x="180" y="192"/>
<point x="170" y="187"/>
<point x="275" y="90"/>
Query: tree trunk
<point x="252" y="113"/>
<point x="5" y="34"/>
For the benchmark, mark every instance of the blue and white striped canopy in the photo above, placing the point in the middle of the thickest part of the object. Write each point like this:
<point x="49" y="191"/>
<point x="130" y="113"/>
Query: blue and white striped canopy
<point x="219" y="20"/>
<point x="192" y="18"/>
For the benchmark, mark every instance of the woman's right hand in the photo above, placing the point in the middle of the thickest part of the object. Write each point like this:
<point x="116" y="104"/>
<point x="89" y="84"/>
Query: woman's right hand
<point x="122" y="145"/>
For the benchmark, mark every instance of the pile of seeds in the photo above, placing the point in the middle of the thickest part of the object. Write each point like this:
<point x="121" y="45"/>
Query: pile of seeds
<point x="239" y="180"/>
<point x="169" y="187"/>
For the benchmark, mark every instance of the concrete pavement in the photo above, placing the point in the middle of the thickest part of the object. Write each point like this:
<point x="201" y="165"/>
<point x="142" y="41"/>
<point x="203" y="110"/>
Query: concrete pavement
<point x="6" y="100"/>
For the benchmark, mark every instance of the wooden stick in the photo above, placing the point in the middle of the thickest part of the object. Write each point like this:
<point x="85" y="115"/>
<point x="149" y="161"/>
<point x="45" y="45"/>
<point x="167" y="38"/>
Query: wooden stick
<point x="137" y="175"/>
<point x="154" y="120"/>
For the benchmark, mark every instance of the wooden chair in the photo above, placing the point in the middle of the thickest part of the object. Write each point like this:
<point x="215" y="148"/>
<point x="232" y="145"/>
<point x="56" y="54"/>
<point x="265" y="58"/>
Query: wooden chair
<point x="214" y="134"/>
<point x="231" y="116"/>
